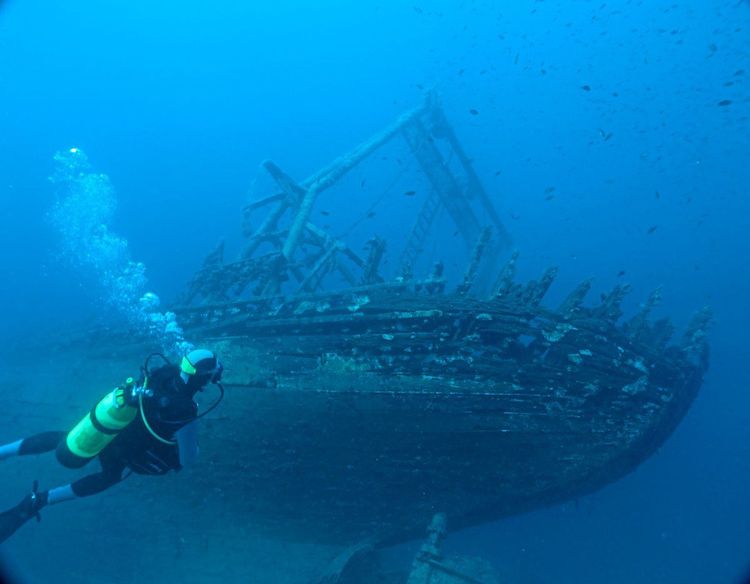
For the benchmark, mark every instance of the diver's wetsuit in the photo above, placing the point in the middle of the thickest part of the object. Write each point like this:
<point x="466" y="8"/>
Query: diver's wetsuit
<point x="169" y="408"/>
<point x="165" y="415"/>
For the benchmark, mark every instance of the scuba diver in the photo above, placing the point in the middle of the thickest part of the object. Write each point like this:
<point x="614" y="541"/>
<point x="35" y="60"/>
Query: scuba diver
<point x="148" y="427"/>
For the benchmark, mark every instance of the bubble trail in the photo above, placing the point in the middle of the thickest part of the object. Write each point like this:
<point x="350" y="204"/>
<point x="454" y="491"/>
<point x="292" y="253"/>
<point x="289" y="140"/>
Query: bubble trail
<point x="86" y="203"/>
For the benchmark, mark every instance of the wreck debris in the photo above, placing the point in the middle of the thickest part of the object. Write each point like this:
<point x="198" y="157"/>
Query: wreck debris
<point x="474" y="261"/>
<point x="541" y="289"/>
<point x="571" y="306"/>
<point x="354" y="565"/>
<point x="370" y="272"/>
<point x="610" y="306"/>
<point x="505" y="278"/>
<point x="694" y="342"/>
<point x="638" y="325"/>
<point x="431" y="567"/>
<point x="361" y="563"/>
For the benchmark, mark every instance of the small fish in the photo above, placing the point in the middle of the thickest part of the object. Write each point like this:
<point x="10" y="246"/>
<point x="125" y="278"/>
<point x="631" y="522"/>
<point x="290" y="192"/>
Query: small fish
<point x="549" y="197"/>
<point x="420" y="86"/>
<point x="586" y="87"/>
<point x="497" y="172"/>
<point x="515" y="216"/>
<point x="652" y="229"/>
<point x="725" y="102"/>
<point x="362" y="184"/>
<point x="657" y="195"/>
<point x="739" y="72"/>
<point x="549" y="190"/>
<point x="326" y="213"/>
<point x="474" y="112"/>
<point x="410" y="193"/>
<point x="371" y="214"/>
<point x="620" y="273"/>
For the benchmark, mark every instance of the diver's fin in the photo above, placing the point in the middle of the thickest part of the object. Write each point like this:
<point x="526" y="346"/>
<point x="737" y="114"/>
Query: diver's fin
<point x="15" y="517"/>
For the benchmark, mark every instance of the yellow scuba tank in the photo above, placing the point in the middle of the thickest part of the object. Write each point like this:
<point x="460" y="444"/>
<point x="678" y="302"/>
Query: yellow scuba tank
<point x="98" y="428"/>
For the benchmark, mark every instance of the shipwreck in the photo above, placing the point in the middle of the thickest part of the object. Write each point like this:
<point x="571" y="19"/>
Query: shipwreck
<point x="380" y="399"/>
<point x="384" y="387"/>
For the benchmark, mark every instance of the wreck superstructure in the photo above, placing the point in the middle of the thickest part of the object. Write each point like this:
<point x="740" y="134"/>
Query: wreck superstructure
<point x="375" y="401"/>
<point x="287" y="253"/>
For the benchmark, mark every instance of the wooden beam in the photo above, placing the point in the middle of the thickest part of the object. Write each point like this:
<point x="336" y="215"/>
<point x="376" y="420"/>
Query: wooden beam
<point x="338" y="169"/>
<point x="475" y="187"/>
<point x="443" y="181"/>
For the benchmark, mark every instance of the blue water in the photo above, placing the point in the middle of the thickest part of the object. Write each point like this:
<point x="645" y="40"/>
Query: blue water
<point x="635" y="112"/>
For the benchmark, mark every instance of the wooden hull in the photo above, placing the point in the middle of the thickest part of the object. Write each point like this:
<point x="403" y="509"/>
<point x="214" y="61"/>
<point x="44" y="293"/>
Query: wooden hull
<point x="365" y="426"/>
